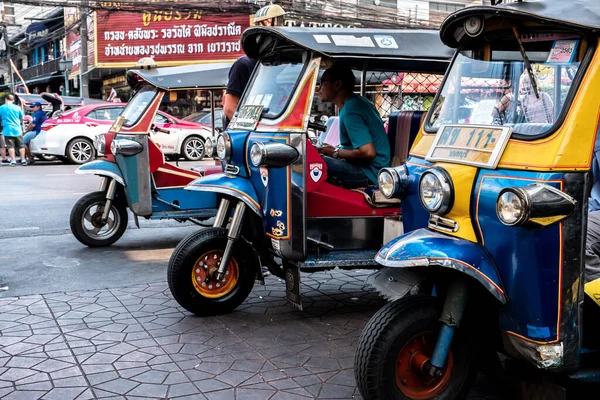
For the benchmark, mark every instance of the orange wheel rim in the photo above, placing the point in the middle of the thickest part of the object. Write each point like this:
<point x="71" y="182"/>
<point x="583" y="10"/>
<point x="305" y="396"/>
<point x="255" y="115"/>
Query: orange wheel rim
<point x="204" y="271"/>
<point x="411" y="377"/>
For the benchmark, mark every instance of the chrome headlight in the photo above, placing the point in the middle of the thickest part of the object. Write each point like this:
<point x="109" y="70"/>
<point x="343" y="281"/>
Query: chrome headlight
<point x="533" y="205"/>
<point x="258" y="154"/>
<point x="209" y="147"/>
<point x="272" y="154"/>
<point x="436" y="192"/>
<point x="126" y="147"/>
<point x="224" y="147"/>
<point x="393" y="181"/>
<point x="100" y="142"/>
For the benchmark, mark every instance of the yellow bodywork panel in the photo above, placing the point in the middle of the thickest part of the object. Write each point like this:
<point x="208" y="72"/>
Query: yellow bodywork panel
<point x="592" y="289"/>
<point x="569" y="148"/>
<point x="463" y="179"/>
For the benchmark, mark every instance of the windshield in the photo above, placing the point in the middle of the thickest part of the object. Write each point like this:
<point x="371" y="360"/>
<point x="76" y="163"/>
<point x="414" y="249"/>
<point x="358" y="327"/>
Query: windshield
<point x="500" y="91"/>
<point x="273" y="87"/>
<point x="136" y="107"/>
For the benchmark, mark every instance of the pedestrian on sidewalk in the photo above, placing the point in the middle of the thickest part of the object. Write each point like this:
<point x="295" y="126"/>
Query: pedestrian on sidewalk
<point x="12" y="123"/>
<point x="3" y="147"/>
<point x="34" y="128"/>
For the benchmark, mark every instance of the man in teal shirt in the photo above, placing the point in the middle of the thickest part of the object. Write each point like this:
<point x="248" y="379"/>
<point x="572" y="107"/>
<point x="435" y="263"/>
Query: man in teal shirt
<point x="12" y="128"/>
<point x="364" y="147"/>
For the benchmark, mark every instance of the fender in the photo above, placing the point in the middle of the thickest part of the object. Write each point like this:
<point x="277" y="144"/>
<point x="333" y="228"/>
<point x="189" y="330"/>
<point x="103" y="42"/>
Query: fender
<point x="102" y="168"/>
<point x="423" y="248"/>
<point x="234" y="186"/>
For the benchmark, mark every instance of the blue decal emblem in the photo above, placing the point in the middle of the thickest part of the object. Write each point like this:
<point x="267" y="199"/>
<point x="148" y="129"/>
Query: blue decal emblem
<point x="316" y="171"/>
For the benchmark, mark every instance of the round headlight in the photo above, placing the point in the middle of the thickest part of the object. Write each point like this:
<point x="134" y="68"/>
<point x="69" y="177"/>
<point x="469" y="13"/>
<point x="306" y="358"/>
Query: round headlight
<point x="100" y="144"/>
<point x="511" y="207"/>
<point x="224" y="147"/>
<point x="113" y="147"/>
<point x="474" y="26"/>
<point x="386" y="183"/>
<point x="257" y="154"/>
<point x="435" y="191"/>
<point x="208" y="147"/>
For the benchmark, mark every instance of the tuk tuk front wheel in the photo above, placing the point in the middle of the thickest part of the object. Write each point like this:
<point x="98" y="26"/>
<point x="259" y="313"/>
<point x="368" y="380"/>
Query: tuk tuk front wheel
<point x="395" y="348"/>
<point x="192" y="269"/>
<point x="86" y="220"/>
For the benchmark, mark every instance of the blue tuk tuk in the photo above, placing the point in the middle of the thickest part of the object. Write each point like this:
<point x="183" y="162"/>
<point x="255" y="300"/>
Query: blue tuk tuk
<point x="495" y="199"/>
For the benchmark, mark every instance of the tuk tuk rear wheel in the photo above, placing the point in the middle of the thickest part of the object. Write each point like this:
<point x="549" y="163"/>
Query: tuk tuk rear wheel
<point x="195" y="259"/>
<point x="396" y="344"/>
<point x="86" y="225"/>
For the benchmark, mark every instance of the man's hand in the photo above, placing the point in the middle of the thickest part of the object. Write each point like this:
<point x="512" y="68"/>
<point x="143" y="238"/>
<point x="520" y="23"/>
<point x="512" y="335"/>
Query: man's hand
<point x="326" y="150"/>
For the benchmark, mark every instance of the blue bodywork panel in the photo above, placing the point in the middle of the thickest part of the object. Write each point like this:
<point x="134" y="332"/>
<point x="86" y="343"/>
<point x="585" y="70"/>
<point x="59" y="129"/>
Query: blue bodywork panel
<point x="188" y="200"/>
<point x="274" y="193"/>
<point x="228" y="184"/>
<point x="529" y="261"/>
<point x="129" y="166"/>
<point x="414" y="215"/>
<point x="423" y="247"/>
<point x="104" y="168"/>
<point x="238" y="150"/>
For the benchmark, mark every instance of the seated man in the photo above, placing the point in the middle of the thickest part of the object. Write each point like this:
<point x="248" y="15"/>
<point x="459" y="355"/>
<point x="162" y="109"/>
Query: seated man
<point x="364" y="147"/>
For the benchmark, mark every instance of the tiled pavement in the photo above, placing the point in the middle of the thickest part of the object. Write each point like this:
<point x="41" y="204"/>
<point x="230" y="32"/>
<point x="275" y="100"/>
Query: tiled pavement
<point x="137" y="343"/>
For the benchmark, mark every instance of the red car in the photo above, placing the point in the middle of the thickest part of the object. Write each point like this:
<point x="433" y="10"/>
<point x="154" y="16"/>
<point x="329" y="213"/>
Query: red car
<point x="71" y="136"/>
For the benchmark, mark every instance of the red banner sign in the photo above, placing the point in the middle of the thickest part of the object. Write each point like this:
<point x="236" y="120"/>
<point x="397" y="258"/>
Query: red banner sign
<point x="170" y="37"/>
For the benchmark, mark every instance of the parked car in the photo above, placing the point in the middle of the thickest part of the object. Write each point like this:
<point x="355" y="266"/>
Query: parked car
<point x="203" y="117"/>
<point x="70" y="137"/>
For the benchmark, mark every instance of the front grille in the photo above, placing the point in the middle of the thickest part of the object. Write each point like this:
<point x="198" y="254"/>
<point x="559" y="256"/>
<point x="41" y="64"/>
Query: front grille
<point x="442" y="224"/>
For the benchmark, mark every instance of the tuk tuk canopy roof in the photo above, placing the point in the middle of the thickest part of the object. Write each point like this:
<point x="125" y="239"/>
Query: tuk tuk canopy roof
<point x="578" y="14"/>
<point x="382" y="49"/>
<point x="198" y="76"/>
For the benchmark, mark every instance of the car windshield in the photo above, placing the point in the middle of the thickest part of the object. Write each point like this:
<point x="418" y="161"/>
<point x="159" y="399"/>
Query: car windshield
<point x="500" y="91"/>
<point x="136" y="107"/>
<point x="272" y="87"/>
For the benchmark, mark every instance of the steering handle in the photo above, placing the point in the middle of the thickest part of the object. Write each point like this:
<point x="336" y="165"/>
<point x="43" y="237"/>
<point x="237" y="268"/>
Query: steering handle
<point x="317" y="127"/>
<point x="157" y="129"/>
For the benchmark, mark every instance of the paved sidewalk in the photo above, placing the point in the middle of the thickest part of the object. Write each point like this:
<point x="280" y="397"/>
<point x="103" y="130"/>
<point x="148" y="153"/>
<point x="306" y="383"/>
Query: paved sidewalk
<point x="137" y="343"/>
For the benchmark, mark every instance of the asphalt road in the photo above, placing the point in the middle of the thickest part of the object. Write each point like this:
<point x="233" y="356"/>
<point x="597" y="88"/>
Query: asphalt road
<point x="38" y="253"/>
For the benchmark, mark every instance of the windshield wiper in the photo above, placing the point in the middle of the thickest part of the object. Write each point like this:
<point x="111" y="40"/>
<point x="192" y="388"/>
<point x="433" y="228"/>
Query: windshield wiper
<point x="527" y="63"/>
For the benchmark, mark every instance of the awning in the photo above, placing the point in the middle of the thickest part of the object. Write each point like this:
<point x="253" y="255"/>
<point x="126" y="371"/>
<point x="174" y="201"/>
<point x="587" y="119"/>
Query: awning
<point x="41" y="78"/>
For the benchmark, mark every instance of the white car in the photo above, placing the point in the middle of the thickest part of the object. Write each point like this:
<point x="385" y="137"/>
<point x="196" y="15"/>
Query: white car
<point x="71" y="136"/>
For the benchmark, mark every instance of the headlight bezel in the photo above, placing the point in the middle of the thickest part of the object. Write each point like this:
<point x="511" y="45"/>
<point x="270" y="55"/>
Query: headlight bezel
<point x="525" y="205"/>
<point x="209" y="148"/>
<point x="447" y="187"/>
<point x="100" y="144"/>
<point x="399" y="177"/>
<point x="261" y="150"/>
<point x="226" y="156"/>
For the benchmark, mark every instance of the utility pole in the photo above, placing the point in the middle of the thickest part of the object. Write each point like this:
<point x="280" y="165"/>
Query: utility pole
<point x="83" y="66"/>
<point x="8" y="56"/>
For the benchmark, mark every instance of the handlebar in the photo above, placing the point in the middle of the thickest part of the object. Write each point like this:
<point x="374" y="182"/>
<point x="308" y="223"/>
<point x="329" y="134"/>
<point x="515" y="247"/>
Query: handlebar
<point x="157" y="129"/>
<point x="317" y="127"/>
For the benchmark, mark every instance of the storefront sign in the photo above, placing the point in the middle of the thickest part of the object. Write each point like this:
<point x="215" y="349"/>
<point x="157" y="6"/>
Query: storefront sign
<point x="36" y="34"/>
<point x="170" y="37"/>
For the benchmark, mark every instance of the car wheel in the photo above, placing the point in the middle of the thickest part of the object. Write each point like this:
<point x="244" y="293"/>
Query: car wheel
<point x="80" y="151"/>
<point x="193" y="148"/>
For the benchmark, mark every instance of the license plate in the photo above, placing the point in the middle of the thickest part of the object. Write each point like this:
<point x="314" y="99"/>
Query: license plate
<point x="478" y="145"/>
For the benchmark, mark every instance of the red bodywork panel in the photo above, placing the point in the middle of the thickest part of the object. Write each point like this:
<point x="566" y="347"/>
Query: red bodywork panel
<point x="326" y="200"/>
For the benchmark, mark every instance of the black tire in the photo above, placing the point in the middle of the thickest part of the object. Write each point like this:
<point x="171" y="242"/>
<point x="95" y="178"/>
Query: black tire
<point x="192" y="148"/>
<point x="80" y="151"/>
<point x="384" y="337"/>
<point x="46" y="157"/>
<point x="80" y="226"/>
<point x="185" y="259"/>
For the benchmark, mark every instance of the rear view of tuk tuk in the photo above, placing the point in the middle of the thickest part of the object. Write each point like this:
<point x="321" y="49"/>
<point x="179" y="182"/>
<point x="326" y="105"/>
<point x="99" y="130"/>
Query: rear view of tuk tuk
<point x="135" y="174"/>
<point x="284" y="213"/>
<point x="500" y="175"/>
